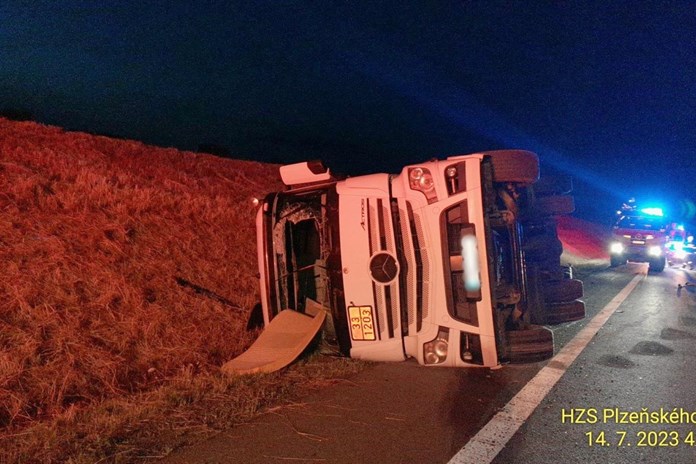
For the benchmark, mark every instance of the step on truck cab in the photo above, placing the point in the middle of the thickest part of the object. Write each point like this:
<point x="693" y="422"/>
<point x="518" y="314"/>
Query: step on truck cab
<point x="424" y="264"/>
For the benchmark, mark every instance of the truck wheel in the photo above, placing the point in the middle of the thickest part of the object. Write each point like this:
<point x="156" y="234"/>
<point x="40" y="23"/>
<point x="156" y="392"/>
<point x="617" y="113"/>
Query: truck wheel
<point x="616" y="260"/>
<point x="558" y="313"/>
<point x="537" y="225"/>
<point x="657" y="265"/>
<point x="516" y="166"/>
<point x="554" y="205"/>
<point x="532" y="344"/>
<point x="554" y="185"/>
<point x="541" y="247"/>
<point x="562" y="290"/>
<point x="555" y="273"/>
<point x="550" y="266"/>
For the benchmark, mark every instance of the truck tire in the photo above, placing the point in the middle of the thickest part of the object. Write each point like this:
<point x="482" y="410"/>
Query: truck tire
<point x="542" y="247"/>
<point x="549" y="265"/>
<point x="569" y="311"/>
<point x="535" y="225"/>
<point x="553" y="185"/>
<point x="657" y="264"/>
<point x="532" y="344"/>
<point x="562" y="290"/>
<point x="554" y="273"/>
<point x="616" y="260"/>
<point x="554" y="205"/>
<point x="516" y="166"/>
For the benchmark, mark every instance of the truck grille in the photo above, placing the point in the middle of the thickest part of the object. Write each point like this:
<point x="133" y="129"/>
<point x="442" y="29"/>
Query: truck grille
<point x="402" y="303"/>
<point x="418" y="281"/>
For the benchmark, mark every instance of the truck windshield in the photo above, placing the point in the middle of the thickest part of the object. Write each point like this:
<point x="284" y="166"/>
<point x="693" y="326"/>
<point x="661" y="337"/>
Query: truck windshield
<point x="297" y="237"/>
<point x="641" y="222"/>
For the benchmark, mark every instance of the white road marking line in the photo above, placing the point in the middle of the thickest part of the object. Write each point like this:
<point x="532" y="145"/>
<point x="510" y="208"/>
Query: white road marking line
<point x="492" y="438"/>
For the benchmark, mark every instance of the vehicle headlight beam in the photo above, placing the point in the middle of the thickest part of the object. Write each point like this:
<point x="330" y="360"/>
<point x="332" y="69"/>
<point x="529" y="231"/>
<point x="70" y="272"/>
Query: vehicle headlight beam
<point x="616" y="248"/>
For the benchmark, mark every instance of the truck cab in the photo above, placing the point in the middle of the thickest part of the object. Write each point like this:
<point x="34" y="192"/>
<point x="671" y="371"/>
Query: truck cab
<point x="424" y="264"/>
<point x="641" y="238"/>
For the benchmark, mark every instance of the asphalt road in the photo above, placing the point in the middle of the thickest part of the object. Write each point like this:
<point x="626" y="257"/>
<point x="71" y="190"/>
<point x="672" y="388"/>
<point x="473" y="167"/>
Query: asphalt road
<point x="640" y="360"/>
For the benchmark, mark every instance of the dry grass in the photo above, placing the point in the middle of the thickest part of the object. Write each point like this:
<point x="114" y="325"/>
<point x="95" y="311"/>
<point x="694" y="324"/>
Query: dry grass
<point x="98" y="338"/>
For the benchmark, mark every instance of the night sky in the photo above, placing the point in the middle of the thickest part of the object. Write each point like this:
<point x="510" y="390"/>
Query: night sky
<point x="605" y="91"/>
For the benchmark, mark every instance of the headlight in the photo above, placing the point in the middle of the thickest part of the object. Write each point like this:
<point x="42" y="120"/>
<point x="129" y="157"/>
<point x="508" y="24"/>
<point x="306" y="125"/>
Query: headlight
<point x="616" y="248"/>
<point x="420" y="179"/>
<point x="655" y="250"/>
<point x="435" y="351"/>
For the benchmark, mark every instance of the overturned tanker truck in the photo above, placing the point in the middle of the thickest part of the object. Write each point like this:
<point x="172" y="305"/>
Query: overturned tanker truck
<point x="427" y="264"/>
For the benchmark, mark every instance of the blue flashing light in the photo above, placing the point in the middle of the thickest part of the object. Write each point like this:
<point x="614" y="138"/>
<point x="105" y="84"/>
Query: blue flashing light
<point x="652" y="211"/>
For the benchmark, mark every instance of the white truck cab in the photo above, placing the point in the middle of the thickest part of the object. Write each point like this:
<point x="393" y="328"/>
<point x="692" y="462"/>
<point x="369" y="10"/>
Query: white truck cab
<point x="425" y="264"/>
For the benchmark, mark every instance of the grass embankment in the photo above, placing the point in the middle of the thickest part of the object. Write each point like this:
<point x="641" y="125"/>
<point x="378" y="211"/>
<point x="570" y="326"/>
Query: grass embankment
<point x="585" y="245"/>
<point x="127" y="273"/>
